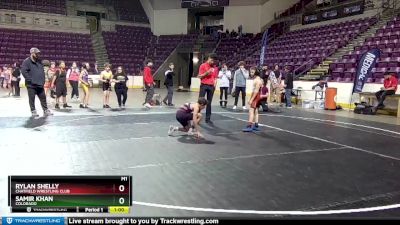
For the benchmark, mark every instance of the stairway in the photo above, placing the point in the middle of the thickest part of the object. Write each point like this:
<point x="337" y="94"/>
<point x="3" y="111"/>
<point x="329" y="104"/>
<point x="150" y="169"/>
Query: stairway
<point x="100" y="50"/>
<point x="200" y="46"/>
<point x="323" y="69"/>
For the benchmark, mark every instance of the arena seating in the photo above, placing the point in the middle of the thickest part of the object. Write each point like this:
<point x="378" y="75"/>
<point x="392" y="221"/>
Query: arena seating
<point x="69" y="47"/>
<point x="129" y="47"/>
<point x="387" y="39"/>
<point x="131" y="10"/>
<point x="231" y="50"/>
<point x="46" y="6"/>
<point x="294" y="48"/>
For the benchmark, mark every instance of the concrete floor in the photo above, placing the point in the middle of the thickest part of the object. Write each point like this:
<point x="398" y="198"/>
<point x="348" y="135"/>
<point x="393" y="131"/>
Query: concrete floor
<point x="302" y="160"/>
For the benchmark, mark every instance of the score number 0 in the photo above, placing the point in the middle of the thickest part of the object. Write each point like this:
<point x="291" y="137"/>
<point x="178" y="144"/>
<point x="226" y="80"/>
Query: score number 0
<point x="121" y="200"/>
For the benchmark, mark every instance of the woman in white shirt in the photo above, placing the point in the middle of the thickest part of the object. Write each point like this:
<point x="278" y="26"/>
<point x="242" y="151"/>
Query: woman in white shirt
<point x="224" y="77"/>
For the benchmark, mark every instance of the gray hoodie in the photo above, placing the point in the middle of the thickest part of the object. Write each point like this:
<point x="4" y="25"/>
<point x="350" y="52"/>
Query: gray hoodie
<point x="240" y="78"/>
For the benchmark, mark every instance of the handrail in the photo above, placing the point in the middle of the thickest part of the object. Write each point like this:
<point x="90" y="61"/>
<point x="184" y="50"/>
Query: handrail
<point x="302" y="65"/>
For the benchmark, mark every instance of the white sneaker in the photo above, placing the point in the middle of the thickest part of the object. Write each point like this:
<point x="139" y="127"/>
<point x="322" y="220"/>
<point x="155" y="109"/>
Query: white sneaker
<point x="171" y="130"/>
<point x="147" y="105"/>
<point x="234" y="107"/>
<point x="48" y="113"/>
<point x="34" y="114"/>
<point x="191" y="132"/>
<point x="244" y="108"/>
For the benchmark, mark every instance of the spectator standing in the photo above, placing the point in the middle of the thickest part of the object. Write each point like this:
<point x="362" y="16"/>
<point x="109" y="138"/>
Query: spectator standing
<point x="239" y="84"/>
<point x="224" y="79"/>
<point x="33" y="72"/>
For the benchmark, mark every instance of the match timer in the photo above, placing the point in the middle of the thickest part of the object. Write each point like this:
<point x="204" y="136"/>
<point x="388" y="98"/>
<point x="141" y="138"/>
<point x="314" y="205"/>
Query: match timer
<point x="82" y="194"/>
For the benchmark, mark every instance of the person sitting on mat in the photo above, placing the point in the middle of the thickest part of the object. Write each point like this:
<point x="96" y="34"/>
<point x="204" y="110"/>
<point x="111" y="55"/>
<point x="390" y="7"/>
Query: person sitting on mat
<point x="189" y="116"/>
<point x="389" y="88"/>
<point x="254" y="102"/>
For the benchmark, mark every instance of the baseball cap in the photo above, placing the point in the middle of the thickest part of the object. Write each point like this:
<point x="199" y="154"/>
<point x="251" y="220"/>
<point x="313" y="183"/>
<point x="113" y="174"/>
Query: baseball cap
<point x="34" y="50"/>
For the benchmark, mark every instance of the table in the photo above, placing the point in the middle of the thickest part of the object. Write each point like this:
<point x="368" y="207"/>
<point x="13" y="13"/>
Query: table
<point x="319" y="94"/>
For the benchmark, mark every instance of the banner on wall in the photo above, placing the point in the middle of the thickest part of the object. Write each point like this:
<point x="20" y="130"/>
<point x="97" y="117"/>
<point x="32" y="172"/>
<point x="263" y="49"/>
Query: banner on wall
<point x="340" y="11"/>
<point x="203" y="3"/>
<point x="365" y="65"/>
<point x="264" y="44"/>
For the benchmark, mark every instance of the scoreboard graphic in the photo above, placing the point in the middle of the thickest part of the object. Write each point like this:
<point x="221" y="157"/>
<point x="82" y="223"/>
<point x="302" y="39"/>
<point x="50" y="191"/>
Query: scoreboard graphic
<point x="74" y="194"/>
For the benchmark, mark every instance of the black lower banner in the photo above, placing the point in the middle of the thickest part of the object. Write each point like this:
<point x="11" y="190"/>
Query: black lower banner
<point x="158" y="221"/>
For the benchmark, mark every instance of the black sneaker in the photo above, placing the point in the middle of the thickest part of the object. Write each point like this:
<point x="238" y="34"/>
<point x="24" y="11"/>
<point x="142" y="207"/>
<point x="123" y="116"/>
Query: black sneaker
<point x="66" y="106"/>
<point x="57" y="106"/>
<point x="81" y="106"/>
<point x="171" y="105"/>
<point x="104" y="106"/>
<point x="107" y="106"/>
<point x="209" y="122"/>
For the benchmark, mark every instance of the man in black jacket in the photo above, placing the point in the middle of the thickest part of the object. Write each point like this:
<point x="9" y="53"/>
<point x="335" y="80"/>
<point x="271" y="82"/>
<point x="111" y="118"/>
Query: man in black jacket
<point x="33" y="72"/>
<point x="169" y="83"/>
<point x="288" y="87"/>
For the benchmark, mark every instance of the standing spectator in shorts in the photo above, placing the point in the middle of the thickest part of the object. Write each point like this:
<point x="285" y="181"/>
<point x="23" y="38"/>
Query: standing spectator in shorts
<point x="224" y="78"/>
<point x="389" y="88"/>
<point x="149" y="83"/>
<point x="33" y="72"/>
<point x="208" y="75"/>
<point x="15" y="79"/>
<point x="239" y="84"/>
<point x="169" y="84"/>
<point x="60" y="82"/>
<point x="276" y="79"/>
<point x="73" y="78"/>
<point x="106" y="77"/>
<point x="84" y="79"/>
<point x="7" y="77"/>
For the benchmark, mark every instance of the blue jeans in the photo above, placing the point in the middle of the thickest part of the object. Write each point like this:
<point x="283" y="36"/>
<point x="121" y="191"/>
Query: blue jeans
<point x="288" y="97"/>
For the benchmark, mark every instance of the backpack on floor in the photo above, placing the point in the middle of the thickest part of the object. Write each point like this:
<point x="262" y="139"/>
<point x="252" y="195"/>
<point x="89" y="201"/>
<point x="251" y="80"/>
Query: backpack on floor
<point x="364" y="108"/>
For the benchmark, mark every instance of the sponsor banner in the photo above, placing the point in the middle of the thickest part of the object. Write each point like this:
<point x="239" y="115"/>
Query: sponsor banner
<point x="341" y="11"/>
<point x="32" y="220"/>
<point x="264" y="44"/>
<point x="203" y="3"/>
<point x="364" y="69"/>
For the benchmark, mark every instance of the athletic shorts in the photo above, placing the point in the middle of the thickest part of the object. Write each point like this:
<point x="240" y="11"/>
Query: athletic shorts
<point x="256" y="102"/>
<point x="106" y="87"/>
<point x="85" y="88"/>
<point x="184" y="117"/>
<point x="61" y="90"/>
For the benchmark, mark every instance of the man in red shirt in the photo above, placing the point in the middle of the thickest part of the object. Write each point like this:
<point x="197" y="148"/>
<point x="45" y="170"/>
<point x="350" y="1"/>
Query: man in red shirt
<point x="389" y="88"/>
<point x="208" y="74"/>
<point x="148" y="83"/>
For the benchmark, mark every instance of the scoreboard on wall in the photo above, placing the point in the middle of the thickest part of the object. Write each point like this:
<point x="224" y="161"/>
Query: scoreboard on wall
<point x="74" y="194"/>
<point x="203" y="3"/>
